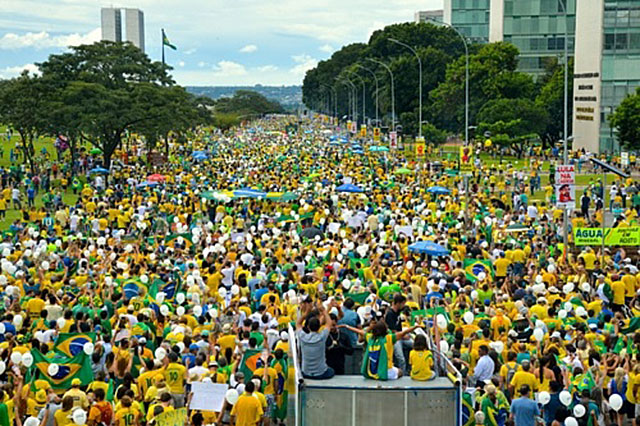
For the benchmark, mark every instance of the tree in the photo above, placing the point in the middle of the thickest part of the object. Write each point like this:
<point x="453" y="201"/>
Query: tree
<point x="248" y="102"/>
<point x="109" y="88"/>
<point x="512" y="122"/>
<point x="551" y="98"/>
<point x="492" y="75"/>
<point x="626" y="121"/>
<point x="21" y="106"/>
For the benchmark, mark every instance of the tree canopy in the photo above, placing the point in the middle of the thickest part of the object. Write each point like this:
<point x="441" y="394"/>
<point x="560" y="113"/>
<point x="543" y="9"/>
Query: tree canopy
<point x="626" y="121"/>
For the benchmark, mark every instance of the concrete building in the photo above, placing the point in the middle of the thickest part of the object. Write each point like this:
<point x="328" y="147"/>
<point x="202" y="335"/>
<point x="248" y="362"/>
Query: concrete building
<point x="111" y="24"/>
<point x="536" y="27"/>
<point x="428" y="16"/>
<point x="470" y="17"/>
<point x="607" y="68"/>
<point x="111" y="20"/>
<point x="134" y="25"/>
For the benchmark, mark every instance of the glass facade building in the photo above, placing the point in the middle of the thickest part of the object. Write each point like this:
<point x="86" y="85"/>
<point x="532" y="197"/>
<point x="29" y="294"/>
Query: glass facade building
<point x="470" y="17"/>
<point x="620" y="62"/>
<point x="537" y="28"/>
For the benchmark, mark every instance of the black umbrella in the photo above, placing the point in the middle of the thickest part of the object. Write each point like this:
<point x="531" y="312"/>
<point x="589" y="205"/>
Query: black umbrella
<point x="497" y="203"/>
<point x="311" y="232"/>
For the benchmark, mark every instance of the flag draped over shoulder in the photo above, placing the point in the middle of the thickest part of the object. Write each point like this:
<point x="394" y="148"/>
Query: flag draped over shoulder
<point x="72" y="344"/>
<point x="282" y="395"/>
<point x="474" y="267"/>
<point x="69" y="368"/>
<point x="251" y="361"/>
<point x="634" y="325"/>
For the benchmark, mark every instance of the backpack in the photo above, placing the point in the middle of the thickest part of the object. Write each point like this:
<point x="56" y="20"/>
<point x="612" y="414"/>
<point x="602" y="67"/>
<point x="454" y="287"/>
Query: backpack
<point x="106" y="413"/>
<point x="510" y="373"/>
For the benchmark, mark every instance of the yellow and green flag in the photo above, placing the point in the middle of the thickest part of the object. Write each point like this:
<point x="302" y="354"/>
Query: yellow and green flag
<point x="71" y="344"/>
<point x="166" y="42"/>
<point x="68" y="368"/>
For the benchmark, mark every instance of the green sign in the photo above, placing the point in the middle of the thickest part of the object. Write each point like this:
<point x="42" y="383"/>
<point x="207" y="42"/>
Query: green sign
<point x="613" y="236"/>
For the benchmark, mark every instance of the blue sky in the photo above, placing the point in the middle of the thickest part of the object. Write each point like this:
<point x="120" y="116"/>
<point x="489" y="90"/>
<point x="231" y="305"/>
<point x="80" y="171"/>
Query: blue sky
<point x="220" y="42"/>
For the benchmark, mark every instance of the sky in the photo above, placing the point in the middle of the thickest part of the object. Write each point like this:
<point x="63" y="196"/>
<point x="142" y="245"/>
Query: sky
<point x="220" y="42"/>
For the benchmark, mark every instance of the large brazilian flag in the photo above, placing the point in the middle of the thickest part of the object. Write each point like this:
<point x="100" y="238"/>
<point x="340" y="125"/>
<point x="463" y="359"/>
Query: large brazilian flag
<point x="69" y="368"/>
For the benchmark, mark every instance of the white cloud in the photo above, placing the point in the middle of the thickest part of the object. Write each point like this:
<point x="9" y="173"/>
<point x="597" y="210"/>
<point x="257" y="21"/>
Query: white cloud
<point x="43" y="40"/>
<point x="249" y="48"/>
<point x="9" y="72"/>
<point x="268" y="68"/>
<point x="190" y="51"/>
<point x="304" y="63"/>
<point x="229" y="68"/>
<point x="327" y="48"/>
<point x="202" y="64"/>
<point x="181" y="64"/>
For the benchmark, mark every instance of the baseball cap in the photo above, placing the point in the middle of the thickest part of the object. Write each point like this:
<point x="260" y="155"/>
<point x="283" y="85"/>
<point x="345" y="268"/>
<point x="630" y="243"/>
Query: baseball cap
<point x="76" y="382"/>
<point x="41" y="396"/>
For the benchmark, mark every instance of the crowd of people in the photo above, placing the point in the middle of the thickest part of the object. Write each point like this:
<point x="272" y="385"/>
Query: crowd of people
<point x="199" y="269"/>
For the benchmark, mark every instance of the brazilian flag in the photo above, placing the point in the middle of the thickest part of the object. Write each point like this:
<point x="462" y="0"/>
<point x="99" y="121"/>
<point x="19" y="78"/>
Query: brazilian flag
<point x="282" y="395"/>
<point x="72" y="344"/>
<point x="468" y="412"/>
<point x="251" y="361"/>
<point x="166" y="42"/>
<point x="69" y="368"/>
<point x="474" y="267"/>
<point x="179" y="239"/>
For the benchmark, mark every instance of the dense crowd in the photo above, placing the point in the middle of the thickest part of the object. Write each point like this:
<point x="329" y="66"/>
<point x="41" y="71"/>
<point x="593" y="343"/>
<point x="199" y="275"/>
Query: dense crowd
<point x="199" y="268"/>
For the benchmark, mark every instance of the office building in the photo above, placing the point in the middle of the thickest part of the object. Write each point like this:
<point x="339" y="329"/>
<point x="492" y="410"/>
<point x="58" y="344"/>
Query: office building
<point x="470" y="17"/>
<point x="602" y="35"/>
<point x="607" y="68"/>
<point x="111" y="24"/>
<point x="536" y="27"/>
<point x="111" y="19"/>
<point x="428" y="16"/>
<point x="134" y="25"/>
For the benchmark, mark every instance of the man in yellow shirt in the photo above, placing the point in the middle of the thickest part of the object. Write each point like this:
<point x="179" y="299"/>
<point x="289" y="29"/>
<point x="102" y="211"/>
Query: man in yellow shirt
<point x="523" y="377"/>
<point x="619" y="290"/>
<point x="79" y="397"/>
<point x="248" y="410"/>
<point x="127" y="415"/>
<point x="176" y="374"/>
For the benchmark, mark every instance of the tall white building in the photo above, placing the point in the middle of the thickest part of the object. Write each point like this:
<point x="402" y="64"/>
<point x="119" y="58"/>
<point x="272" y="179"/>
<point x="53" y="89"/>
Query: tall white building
<point x="111" y="24"/>
<point x="111" y="20"/>
<point x="134" y="25"/>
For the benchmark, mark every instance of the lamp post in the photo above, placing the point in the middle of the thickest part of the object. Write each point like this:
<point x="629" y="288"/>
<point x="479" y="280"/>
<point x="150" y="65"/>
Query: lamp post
<point x="375" y="77"/>
<point x="419" y="82"/>
<point x="393" y="93"/>
<point x="364" y="91"/>
<point x="349" y="97"/>
<point x="334" y="96"/>
<point x="565" y="137"/>
<point x="466" y="106"/>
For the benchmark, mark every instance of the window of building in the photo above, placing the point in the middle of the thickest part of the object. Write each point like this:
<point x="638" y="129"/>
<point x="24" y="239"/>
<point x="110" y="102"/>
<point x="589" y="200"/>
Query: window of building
<point x="609" y="41"/>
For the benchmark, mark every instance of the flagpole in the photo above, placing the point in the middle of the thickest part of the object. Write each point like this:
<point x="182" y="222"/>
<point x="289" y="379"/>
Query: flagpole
<point x="162" y="42"/>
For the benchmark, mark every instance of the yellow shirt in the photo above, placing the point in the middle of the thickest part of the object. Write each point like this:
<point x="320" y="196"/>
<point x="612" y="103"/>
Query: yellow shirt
<point x="248" y="410"/>
<point x="523" y="378"/>
<point x="501" y="267"/>
<point x="174" y="376"/>
<point x="618" y="289"/>
<point x="269" y="383"/>
<point x="421" y="363"/>
<point x="126" y="416"/>
<point x="63" y="418"/>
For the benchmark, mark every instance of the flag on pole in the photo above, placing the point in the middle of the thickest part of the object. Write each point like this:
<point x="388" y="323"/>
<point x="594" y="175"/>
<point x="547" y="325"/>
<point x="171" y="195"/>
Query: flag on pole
<point x="166" y="42"/>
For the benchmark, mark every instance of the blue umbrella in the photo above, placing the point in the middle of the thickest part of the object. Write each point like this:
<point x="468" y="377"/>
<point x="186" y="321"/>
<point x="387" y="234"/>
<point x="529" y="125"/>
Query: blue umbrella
<point x="428" y="247"/>
<point x="99" y="170"/>
<point x="438" y="190"/>
<point x="348" y="187"/>
<point x="147" y="184"/>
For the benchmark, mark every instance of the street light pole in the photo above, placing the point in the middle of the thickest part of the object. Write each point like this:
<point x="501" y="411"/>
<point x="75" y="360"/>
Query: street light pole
<point x="354" y="99"/>
<point x="419" y="82"/>
<point x="349" y="97"/>
<point x="565" y="134"/>
<point x="364" y="92"/>
<point x="375" y="77"/>
<point x="393" y="93"/>
<point x="466" y="107"/>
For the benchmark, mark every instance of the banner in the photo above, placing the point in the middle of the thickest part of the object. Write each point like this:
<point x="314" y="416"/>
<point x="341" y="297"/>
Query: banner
<point x="393" y="140"/>
<point x="177" y="417"/>
<point x="208" y="396"/>
<point x="624" y="158"/>
<point x="376" y="134"/>
<point x="363" y="130"/>
<point x="466" y="160"/>
<point x="613" y="236"/>
<point x="420" y="147"/>
<point x="566" y="186"/>
<point x="354" y="127"/>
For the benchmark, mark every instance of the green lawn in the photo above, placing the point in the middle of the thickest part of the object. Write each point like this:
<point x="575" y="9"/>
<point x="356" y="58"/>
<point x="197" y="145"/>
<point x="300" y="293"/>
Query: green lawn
<point x="44" y="142"/>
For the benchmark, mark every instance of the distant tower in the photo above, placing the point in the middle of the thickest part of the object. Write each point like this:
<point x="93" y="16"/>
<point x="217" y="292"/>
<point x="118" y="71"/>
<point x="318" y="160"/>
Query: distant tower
<point x="111" y="24"/>
<point x="134" y="24"/>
